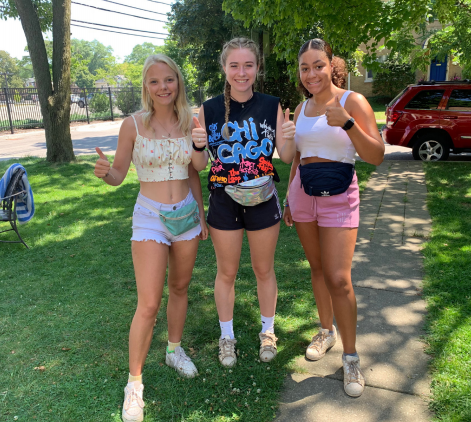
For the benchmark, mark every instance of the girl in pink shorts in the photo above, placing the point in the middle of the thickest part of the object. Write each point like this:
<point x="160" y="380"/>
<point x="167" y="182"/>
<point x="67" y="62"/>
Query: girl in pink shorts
<point x="323" y="197"/>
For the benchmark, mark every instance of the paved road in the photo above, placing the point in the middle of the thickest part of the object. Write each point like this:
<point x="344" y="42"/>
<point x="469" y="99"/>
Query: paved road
<point x="105" y="135"/>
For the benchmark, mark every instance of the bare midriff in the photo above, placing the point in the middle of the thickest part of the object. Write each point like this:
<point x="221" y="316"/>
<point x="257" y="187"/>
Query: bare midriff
<point x="168" y="192"/>
<point x="308" y="160"/>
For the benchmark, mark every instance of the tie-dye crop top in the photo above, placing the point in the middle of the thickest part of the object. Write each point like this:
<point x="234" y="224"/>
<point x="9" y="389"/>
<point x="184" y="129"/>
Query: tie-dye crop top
<point x="159" y="160"/>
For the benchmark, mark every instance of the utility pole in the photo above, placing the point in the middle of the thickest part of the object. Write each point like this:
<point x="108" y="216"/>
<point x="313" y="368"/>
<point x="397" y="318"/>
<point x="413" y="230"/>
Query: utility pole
<point x="5" y="90"/>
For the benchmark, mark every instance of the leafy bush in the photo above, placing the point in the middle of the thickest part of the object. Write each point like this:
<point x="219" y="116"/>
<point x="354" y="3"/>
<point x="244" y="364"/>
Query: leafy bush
<point x="99" y="103"/>
<point x="128" y="101"/>
<point x="392" y="78"/>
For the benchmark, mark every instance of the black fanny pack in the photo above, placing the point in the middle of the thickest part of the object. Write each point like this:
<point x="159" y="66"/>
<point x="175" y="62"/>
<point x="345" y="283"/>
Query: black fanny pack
<point x="326" y="179"/>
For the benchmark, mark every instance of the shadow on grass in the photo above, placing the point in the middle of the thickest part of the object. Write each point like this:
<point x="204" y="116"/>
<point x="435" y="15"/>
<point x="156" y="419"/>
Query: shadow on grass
<point x="67" y="304"/>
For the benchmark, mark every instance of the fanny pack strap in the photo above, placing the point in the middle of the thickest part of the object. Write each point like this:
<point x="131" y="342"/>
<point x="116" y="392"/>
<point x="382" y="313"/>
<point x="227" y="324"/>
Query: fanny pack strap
<point x="155" y="210"/>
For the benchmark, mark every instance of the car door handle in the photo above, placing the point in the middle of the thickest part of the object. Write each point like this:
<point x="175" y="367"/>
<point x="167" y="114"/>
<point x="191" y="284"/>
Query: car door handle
<point x="450" y="117"/>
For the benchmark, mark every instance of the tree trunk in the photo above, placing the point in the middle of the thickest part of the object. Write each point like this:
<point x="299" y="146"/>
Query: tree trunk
<point x="53" y="99"/>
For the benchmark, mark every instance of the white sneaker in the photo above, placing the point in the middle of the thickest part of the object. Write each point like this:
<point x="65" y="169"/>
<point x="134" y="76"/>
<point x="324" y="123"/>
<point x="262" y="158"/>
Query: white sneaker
<point x="133" y="406"/>
<point x="321" y="343"/>
<point x="227" y="355"/>
<point x="181" y="363"/>
<point x="353" y="378"/>
<point x="267" y="346"/>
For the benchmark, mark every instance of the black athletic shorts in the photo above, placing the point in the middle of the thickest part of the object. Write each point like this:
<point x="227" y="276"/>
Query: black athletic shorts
<point x="226" y="214"/>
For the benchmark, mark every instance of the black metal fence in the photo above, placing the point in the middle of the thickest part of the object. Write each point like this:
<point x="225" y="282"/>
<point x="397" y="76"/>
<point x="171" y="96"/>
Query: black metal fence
<point x="19" y="107"/>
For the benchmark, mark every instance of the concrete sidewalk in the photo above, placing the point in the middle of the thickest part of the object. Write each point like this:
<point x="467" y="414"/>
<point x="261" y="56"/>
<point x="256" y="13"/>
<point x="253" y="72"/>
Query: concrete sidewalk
<point x="387" y="275"/>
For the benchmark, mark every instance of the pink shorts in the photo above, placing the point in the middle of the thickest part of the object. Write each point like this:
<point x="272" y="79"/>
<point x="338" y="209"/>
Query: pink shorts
<point x="341" y="210"/>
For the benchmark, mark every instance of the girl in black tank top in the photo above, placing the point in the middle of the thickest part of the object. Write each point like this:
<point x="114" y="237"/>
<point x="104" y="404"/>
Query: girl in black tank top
<point x="241" y="130"/>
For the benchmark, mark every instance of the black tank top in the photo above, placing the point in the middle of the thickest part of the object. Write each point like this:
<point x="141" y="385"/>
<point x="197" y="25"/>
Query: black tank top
<point x="248" y="153"/>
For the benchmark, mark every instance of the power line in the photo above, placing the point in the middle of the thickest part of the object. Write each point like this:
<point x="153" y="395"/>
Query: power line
<point x="137" y="8"/>
<point x="153" y="1"/>
<point x="118" y="27"/>
<point x="121" y="13"/>
<point x="116" y="32"/>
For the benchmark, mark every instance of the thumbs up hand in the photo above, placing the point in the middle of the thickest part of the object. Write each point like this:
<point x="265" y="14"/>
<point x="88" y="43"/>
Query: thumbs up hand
<point x="288" y="128"/>
<point x="336" y="115"/>
<point x="102" y="166"/>
<point x="198" y="134"/>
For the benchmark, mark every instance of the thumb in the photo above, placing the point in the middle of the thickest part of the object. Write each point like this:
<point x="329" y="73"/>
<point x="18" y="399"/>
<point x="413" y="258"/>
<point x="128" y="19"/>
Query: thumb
<point x="337" y="101"/>
<point x="287" y="115"/>
<point x="100" y="153"/>
<point x="196" y="122"/>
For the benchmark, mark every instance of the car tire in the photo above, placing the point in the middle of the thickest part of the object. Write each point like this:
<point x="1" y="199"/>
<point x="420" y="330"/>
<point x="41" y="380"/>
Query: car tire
<point x="431" y="147"/>
<point x="81" y="104"/>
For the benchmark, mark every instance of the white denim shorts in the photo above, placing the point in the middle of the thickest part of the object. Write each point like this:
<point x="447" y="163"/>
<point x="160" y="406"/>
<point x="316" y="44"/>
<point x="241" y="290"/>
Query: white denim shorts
<point x="146" y="225"/>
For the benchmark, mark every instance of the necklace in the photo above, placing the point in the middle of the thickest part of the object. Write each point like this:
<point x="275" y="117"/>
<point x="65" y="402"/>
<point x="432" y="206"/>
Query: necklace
<point x="169" y="131"/>
<point x="240" y="102"/>
<point x="318" y="113"/>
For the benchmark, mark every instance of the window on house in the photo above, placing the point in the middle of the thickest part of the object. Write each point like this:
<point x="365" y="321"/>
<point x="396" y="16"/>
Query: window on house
<point x="369" y="73"/>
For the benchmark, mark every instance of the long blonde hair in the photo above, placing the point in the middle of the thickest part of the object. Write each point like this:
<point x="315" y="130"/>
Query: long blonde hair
<point x="182" y="108"/>
<point x="226" y="49"/>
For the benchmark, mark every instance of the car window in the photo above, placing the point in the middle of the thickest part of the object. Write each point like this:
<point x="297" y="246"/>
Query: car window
<point x="426" y="100"/>
<point x="460" y="99"/>
<point x="397" y="97"/>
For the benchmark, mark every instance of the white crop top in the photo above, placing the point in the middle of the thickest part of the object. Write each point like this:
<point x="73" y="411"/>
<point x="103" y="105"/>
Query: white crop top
<point x="315" y="138"/>
<point x="159" y="160"/>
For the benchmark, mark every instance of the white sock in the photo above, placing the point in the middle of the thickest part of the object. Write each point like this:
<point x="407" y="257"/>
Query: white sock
<point x="268" y="324"/>
<point x="227" y="329"/>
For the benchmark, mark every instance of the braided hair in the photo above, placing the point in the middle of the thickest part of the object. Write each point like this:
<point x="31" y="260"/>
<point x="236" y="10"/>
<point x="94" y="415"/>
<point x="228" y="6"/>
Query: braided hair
<point x="339" y="71"/>
<point x="226" y="49"/>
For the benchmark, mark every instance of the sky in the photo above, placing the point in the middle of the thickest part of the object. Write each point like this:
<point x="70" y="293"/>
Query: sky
<point x="13" y="40"/>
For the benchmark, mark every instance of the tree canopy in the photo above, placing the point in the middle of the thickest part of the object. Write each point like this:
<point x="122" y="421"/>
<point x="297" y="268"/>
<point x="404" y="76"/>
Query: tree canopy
<point x="400" y="26"/>
<point x="9" y="65"/>
<point x="140" y="52"/>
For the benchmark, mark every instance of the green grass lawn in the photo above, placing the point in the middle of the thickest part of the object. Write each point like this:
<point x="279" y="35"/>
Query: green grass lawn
<point x="379" y="107"/>
<point x="67" y="305"/>
<point x="448" y="289"/>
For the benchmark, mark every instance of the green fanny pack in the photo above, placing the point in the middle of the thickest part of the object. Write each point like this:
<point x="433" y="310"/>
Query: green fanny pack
<point x="177" y="221"/>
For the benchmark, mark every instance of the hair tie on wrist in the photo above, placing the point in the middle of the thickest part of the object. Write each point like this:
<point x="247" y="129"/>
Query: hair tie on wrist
<point x="197" y="148"/>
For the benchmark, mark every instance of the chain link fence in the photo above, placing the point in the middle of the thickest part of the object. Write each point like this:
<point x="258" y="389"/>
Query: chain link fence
<point x="20" y="109"/>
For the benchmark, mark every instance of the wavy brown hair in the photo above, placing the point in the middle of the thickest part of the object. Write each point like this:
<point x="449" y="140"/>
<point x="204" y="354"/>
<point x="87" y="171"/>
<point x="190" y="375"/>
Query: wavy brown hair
<point x="339" y="71"/>
<point x="226" y="49"/>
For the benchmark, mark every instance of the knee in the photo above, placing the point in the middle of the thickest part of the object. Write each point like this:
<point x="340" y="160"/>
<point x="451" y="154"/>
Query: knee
<point x="226" y="276"/>
<point x="264" y="273"/>
<point x="339" y="285"/>
<point x="179" y="288"/>
<point x="148" y="311"/>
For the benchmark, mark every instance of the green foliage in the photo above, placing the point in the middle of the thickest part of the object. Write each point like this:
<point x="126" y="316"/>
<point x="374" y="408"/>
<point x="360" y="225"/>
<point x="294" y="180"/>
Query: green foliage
<point x="94" y="53"/>
<point x="392" y="77"/>
<point x="43" y="9"/>
<point x="82" y="76"/>
<point x="140" y="52"/>
<point x="201" y="40"/>
<point x="128" y="101"/>
<point x="9" y="65"/>
<point x="99" y="103"/>
<point x="399" y="26"/>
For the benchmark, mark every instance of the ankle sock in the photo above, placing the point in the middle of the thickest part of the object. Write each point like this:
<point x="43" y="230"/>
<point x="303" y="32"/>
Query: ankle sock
<point x="268" y="324"/>
<point x="351" y="354"/>
<point x="227" y="329"/>
<point x="172" y="346"/>
<point x="135" y="380"/>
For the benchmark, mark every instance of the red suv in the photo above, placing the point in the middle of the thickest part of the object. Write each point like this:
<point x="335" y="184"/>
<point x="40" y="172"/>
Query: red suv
<point x="432" y="118"/>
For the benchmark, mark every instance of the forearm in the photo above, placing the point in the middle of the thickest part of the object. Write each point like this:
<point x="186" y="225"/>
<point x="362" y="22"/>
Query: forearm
<point x="114" y="177"/>
<point x="195" y="187"/>
<point x="199" y="160"/>
<point x="292" y="173"/>
<point x="287" y="151"/>
<point x="367" y="147"/>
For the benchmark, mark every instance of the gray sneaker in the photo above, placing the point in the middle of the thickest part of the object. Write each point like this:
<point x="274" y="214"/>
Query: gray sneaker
<point x="181" y="363"/>
<point x="353" y="378"/>
<point x="267" y="346"/>
<point x="321" y="343"/>
<point x="227" y="354"/>
<point x="133" y="406"/>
